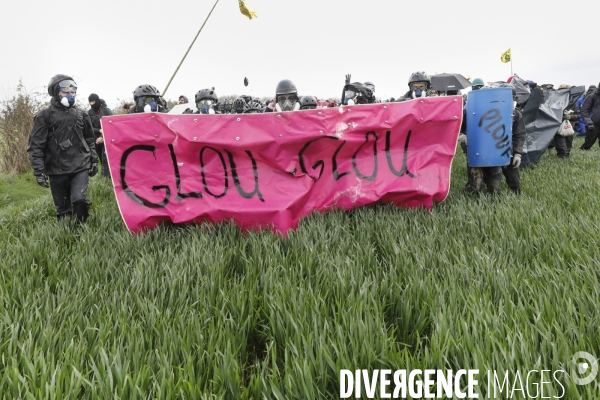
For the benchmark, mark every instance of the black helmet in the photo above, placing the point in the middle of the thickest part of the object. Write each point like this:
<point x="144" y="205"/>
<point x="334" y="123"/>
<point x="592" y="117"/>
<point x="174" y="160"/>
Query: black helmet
<point x="246" y="98"/>
<point x="58" y="81"/>
<point x="371" y="86"/>
<point x="228" y="105"/>
<point x="206" y="94"/>
<point x="419" y="76"/>
<point x="145" y="90"/>
<point x="308" y="102"/>
<point x="253" y="106"/>
<point x="238" y="105"/>
<point x="220" y="107"/>
<point x="358" y="91"/>
<point x="286" y="87"/>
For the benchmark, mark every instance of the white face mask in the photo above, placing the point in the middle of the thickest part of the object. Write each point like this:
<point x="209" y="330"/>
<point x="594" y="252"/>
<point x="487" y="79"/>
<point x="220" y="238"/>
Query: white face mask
<point x="423" y="93"/>
<point x="68" y="101"/>
<point x="151" y="107"/>
<point x="296" y="107"/>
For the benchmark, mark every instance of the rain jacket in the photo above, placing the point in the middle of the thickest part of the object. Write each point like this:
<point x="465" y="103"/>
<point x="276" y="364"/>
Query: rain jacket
<point x="62" y="141"/>
<point x="95" y="117"/>
<point x="518" y="132"/>
<point x="590" y="107"/>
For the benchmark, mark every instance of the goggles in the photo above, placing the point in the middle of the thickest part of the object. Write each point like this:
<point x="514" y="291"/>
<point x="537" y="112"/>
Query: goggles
<point x="283" y="97"/>
<point x="421" y="86"/>
<point x="204" y="103"/>
<point x="67" y="86"/>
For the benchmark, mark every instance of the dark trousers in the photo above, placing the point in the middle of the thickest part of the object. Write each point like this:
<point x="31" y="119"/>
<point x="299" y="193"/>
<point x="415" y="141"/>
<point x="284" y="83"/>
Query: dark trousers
<point x="478" y="177"/>
<point x="69" y="193"/>
<point x="513" y="179"/>
<point x="590" y="138"/>
<point x="562" y="149"/>
<point x="105" y="171"/>
<point x="99" y="151"/>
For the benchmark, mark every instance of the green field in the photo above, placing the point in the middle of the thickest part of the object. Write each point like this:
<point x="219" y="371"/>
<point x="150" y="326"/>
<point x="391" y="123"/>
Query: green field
<point x="506" y="283"/>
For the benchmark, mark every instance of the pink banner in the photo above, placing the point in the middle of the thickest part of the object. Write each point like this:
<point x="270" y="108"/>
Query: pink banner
<point x="270" y="170"/>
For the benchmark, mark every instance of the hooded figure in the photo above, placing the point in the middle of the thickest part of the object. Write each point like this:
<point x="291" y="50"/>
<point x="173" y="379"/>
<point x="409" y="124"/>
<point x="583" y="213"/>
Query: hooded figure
<point x="96" y="112"/>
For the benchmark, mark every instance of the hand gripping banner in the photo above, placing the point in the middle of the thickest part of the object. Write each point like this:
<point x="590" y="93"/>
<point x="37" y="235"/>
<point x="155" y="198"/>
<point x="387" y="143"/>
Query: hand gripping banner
<point x="270" y="170"/>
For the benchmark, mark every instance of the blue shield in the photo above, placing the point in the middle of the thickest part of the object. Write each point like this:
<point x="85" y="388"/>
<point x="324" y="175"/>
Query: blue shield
<point x="489" y="127"/>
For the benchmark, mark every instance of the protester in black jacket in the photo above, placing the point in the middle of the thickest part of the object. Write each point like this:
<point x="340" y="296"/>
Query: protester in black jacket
<point x="590" y="111"/>
<point x="511" y="171"/>
<point x="98" y="109"/>
<point x="419" y="84"/>
<point x="147" y="99"/>
<point x="61" y="147"/>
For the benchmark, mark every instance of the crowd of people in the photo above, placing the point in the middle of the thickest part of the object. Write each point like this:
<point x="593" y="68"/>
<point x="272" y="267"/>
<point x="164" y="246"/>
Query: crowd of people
<point x="66" y="144"/>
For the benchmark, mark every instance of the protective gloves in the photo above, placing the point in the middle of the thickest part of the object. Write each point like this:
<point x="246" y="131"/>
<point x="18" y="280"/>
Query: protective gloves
<point x="516" y="161"/>
<point x="590" y="128"/>
<point x="462" y="138"/>
<point x="93" y="169"/>
<point x="42" y="180"/>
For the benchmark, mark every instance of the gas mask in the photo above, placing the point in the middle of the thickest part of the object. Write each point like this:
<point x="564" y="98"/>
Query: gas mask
<point x="151" y="106"/>
<point x="68" y="100"/>
<point x="64" y="86"/>
<point x="349" y="96"/>
<point x="206" y="110"/>
<point x="287" y="102"/>
<point x="418" y="92"/>
<point x="204" y="106"/>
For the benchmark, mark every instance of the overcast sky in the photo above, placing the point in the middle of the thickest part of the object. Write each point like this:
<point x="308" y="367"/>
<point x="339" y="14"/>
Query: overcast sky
<point x="110" y="47"/>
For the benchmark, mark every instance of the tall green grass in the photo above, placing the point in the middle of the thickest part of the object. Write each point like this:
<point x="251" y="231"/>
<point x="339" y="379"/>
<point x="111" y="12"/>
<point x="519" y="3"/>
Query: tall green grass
<point x="504" y="283"/>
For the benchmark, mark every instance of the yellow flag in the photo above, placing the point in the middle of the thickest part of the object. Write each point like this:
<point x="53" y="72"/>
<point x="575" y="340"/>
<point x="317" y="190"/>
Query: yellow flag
<point x="244" y="9"/>
<point x="505" y="57"/>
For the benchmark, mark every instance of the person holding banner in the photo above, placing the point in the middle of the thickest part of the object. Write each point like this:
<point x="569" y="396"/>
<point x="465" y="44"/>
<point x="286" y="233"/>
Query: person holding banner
<point x="147" y="99"/>
<point x="205" y="101"/>
<point x="286" y="96"/>
<point x="418" y="85"/>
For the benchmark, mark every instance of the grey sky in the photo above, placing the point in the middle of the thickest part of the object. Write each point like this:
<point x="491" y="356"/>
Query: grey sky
<point x="110" y="47"/>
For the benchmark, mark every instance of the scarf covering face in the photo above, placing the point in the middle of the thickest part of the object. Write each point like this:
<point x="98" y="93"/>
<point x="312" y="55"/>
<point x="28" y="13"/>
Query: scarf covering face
<point x="97" y="102"/>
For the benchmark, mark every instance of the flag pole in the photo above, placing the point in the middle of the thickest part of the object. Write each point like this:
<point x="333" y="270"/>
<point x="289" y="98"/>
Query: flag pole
<point x="189" y="48"/>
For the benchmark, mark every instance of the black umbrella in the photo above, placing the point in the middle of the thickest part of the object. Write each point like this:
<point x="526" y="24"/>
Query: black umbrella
<point x="445" y="82"/>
